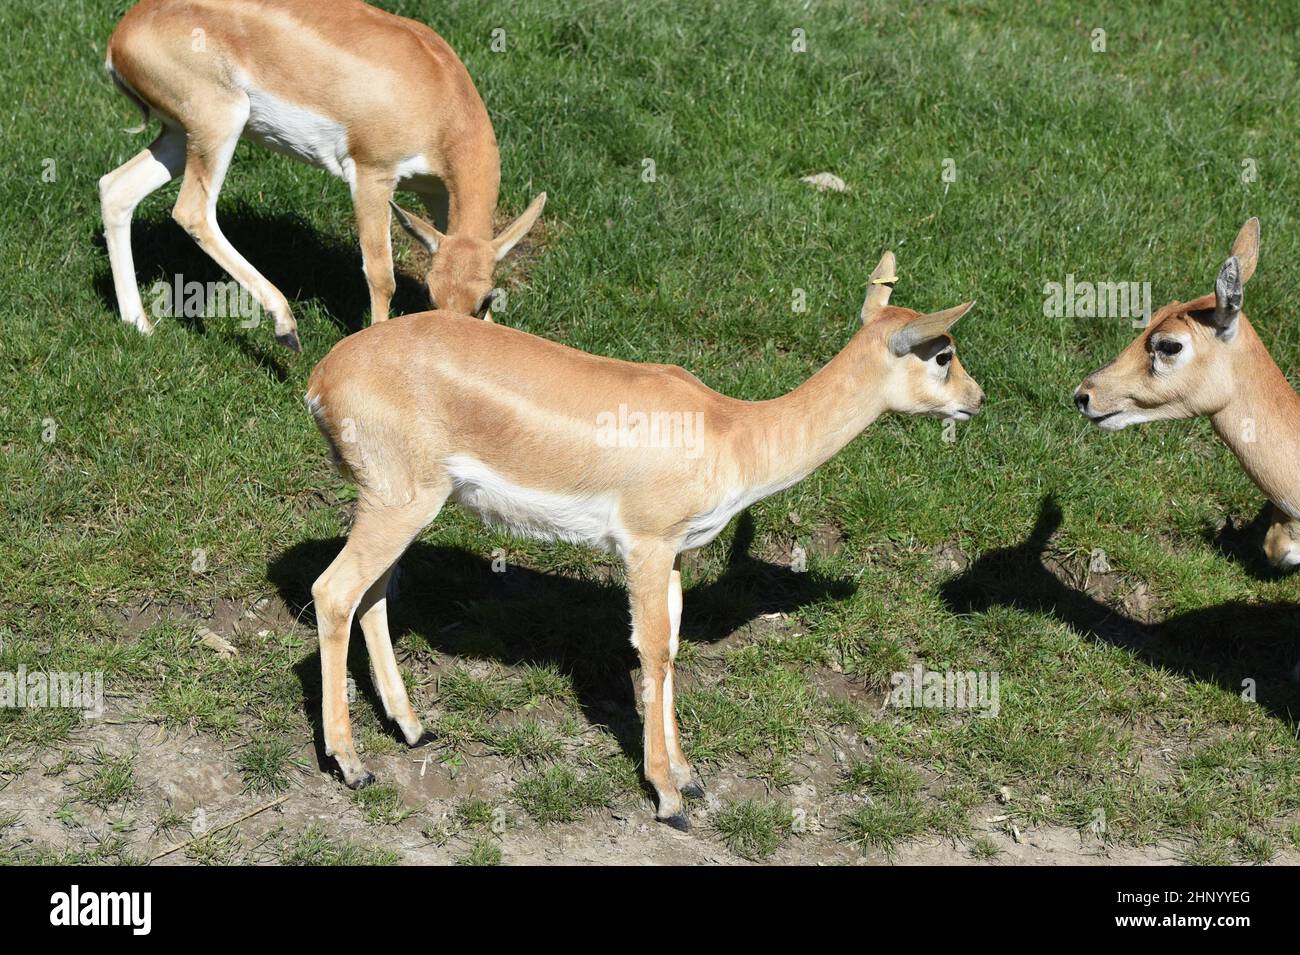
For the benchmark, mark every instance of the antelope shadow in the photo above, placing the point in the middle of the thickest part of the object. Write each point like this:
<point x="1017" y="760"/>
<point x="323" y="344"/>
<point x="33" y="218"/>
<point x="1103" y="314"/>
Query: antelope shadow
<point x="1224" y="644"/>
<point x="454" y="601"/>
<point x="304" y="263"/>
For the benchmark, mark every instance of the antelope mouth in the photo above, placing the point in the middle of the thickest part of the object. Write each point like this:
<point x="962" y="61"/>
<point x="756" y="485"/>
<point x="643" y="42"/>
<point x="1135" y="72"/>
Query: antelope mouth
<point x="1113" y="420"/>
<point x="1097" y="419"/>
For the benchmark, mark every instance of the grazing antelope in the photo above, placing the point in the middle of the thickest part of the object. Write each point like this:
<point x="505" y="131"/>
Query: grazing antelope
<point x="642" y="460"/>
<point x="1204" y="358"/>
<point x="376" y="99"/>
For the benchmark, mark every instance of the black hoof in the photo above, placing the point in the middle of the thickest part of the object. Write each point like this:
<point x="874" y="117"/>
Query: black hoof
<point x="678" y="821"/>
<point x="365" y="780"/>
<point x="694" y="789"/>
<point x="290" y="341"/>
<point x="425" y="739"/>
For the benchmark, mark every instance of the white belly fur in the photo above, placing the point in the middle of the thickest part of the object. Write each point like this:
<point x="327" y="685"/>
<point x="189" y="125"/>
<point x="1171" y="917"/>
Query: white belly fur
<point x="295" y="131"/>
<point x="317" y="140"/>
<point x="525" y="512"/>
<point x="591" y="519"/>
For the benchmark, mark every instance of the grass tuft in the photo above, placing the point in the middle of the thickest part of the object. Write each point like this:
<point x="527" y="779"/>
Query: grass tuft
<point x="266" y="766"/>
<point x="314" y="846"/>
<point x="110" y="779"/>
<point x="753" y="829"/>
<point x="559" y="794"/>
<point x="483" y="852"/>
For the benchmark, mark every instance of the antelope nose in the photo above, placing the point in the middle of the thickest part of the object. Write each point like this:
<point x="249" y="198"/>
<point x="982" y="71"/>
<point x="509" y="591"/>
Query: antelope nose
<point x="1081" y="401"/>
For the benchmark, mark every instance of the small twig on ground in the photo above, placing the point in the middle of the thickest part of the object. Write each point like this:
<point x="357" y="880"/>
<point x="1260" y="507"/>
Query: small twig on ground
<point x="212" y="832"/>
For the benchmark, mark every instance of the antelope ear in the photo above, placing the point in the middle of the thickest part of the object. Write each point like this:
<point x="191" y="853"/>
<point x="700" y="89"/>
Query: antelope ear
<point x="519" y="228"/>
<point x="1227" y="296"/>
<point x="421" y="231"/>
<point x="925" y="328"/>
<point x="1245" y="248"/>
<point x="881" y="284"/>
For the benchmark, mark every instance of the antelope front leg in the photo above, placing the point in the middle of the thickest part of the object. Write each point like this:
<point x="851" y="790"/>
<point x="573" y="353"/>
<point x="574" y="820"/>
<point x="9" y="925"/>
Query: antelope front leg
<point x="370" y="204"/>
<point x="686" y="778"/>
<point x="1282" y="542"/>
<point x="649" y="571"/>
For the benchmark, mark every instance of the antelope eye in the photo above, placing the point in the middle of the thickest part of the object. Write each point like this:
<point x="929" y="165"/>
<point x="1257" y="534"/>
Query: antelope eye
<point x="943" y="358"/>
<point x="1168" y="347"/>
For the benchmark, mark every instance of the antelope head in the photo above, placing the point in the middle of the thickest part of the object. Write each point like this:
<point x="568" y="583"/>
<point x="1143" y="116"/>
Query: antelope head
<point x="922" y="372"/>
<point x="460" y="271"/>
<point x="1182" y="365"/>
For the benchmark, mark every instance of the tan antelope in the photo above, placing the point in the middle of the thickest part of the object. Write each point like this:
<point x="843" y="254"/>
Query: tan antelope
<point x="376" y="99"/>
<point x="641" y="460"/>
<point x="1203" y="357"/>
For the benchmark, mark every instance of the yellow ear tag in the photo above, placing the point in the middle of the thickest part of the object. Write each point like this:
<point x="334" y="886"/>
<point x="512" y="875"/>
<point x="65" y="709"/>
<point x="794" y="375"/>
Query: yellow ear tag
<point x="892" y="278"/>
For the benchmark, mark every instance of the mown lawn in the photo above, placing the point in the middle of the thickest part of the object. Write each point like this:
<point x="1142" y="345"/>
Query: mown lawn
<point x="1121" y="689"/>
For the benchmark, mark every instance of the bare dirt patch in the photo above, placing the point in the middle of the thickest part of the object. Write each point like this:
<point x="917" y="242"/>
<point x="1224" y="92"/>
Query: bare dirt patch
<point x="195" y="778"/>
<point x="190" y="801"/>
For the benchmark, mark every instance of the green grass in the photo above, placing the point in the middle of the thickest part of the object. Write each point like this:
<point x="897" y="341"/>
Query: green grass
<point x="169" y="820"/>
<point x="559" y="794"/>
<point x="109" y="779"/>
<point x="478" y="813"/>
<point x="106" y="852"/>
<point x="220" y="848"/>
<point x="753" y="829"/>
<point x="461" y="692"/>
<point x="529" y="741"/>
<point x="483" y="852"/>
<point x="314" y="846"/>
<point x="1123" y="165"/>
<point x="381" y="805"/>
<point x="893" y="809"/>
<point x="267" y="765"/>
